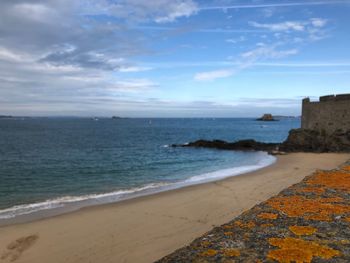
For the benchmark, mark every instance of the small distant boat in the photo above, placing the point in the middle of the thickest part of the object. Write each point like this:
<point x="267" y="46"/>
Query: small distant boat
<point x="95" y="119"/>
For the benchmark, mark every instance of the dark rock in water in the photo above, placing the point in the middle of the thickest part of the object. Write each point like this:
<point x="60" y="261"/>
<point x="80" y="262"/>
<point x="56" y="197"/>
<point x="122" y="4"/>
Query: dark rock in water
<point x="266" y="117"/>
<point x="243" y="145"/>
<point x="304" y="140"/>
<point x="299" y="140"/>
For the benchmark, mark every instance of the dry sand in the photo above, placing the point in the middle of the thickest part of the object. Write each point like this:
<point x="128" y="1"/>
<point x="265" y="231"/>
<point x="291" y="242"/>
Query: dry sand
<point x="147" y="228"/>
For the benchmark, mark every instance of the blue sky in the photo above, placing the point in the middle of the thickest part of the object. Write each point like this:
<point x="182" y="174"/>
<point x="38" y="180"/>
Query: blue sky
<point x="170" y="58"/>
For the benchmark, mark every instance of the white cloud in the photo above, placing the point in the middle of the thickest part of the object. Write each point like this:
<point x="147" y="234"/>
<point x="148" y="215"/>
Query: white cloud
<point x="284" y="26"/>
<point x="37" y="12"/>
<point x="236" y="40"/>
<point x="267" y="52"/>
<point x="288" y="26"/>
<point x="133" y="69"/>
<point x="133" y="85"/>
<point x="247" y="59"/>
<point x="8" y="55"/>
<point x="212" y="75"/>
<point x="180" y="9"/>
<point x="160" y="11"/>
<point x="318" y="22"/>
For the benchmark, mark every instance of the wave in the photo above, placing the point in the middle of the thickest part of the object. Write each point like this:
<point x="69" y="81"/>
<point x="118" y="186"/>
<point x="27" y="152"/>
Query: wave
<point x="60" y="202"/>
<point x="71" y="203"/>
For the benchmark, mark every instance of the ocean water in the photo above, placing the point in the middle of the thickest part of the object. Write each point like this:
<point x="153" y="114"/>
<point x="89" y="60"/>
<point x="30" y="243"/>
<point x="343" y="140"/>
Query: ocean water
<point x="62" y="164"/>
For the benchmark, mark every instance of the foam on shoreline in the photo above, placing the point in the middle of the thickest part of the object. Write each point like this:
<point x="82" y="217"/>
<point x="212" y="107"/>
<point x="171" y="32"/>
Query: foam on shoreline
<point x="51" y="207"/>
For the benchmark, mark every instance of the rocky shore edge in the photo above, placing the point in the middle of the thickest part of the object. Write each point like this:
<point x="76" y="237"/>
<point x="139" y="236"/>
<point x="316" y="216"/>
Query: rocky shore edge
<point x="299" y="140"/>
<point x="307" y="222"/>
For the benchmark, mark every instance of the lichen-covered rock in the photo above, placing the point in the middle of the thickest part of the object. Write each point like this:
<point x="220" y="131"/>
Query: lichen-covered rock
<point x="307" y="222"/>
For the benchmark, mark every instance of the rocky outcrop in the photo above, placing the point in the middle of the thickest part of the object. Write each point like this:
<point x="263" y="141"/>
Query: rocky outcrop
<point x="243" y="145"/>
<point x="266" y="117"/>
<point x="299" y="140"/>
<point x="304" y="140"/>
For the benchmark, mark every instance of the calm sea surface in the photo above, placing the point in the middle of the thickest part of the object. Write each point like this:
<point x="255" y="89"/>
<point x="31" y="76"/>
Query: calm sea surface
<point x="48" y="163"/>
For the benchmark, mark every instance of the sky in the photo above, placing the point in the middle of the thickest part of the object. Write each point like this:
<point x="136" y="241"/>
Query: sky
<point x="171" y="58"/>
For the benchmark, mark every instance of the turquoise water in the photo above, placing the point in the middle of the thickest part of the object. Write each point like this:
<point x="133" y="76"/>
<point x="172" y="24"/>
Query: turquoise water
<point x="48" y="163"/>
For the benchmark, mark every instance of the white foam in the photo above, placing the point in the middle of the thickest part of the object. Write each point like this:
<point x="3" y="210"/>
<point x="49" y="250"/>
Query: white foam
<point x="220" y="174"/>
<point x="85" y="200"/>
<point x="25" y="209"/>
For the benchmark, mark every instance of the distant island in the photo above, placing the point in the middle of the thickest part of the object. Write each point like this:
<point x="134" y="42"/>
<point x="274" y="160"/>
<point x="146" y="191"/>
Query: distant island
<point x="6" y="117"/>
<point x="267" y="117"/>
<point x="118" y="118"/>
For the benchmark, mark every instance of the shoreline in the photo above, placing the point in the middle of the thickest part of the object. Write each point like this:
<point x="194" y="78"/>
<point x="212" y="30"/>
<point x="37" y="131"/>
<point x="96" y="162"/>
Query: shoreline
<point x="147" y="228"/>
<point x="67" y="204"/>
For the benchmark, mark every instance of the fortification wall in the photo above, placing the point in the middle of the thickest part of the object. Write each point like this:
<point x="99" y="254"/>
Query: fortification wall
<point x="329" y="114"/>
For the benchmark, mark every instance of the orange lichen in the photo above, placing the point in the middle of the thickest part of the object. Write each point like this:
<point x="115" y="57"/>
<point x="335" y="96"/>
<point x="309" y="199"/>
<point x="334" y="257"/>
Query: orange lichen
<point x="268" y="216"/>
<point x="302" y="230"/>
<point x="298" y="250"/>
<point x="209" y="253"/>
<point x="315" y="190"/>
<point x="344" y="242"/>
<point x="228" y="233"/>
<point x="248" y="225"/>
<point x="205" y="243"/>
<point x="346" y="168"/>
<point x="296" y="206"/>
<point x="335" y="199"/>
<point x="231" y="252"/>
<point x="266" y="225"/>
<point x="227" y="226"/>
<point x="318" y="217"/>
<point x="339" y="180"/>
<point x="290" y="255"/>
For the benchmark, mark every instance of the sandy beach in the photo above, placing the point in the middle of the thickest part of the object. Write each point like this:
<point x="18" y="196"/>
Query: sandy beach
<point x="148" y="228"/>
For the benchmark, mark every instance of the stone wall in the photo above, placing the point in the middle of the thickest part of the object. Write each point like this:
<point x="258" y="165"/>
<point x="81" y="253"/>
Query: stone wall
<point x="327" y="115"/>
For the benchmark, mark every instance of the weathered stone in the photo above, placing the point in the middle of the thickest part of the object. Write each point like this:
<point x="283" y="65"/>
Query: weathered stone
<point x="327" y="115"/>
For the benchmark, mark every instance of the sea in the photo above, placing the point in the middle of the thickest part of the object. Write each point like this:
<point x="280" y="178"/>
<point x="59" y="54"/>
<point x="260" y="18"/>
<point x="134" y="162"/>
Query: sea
<point x="50" y="166"/>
